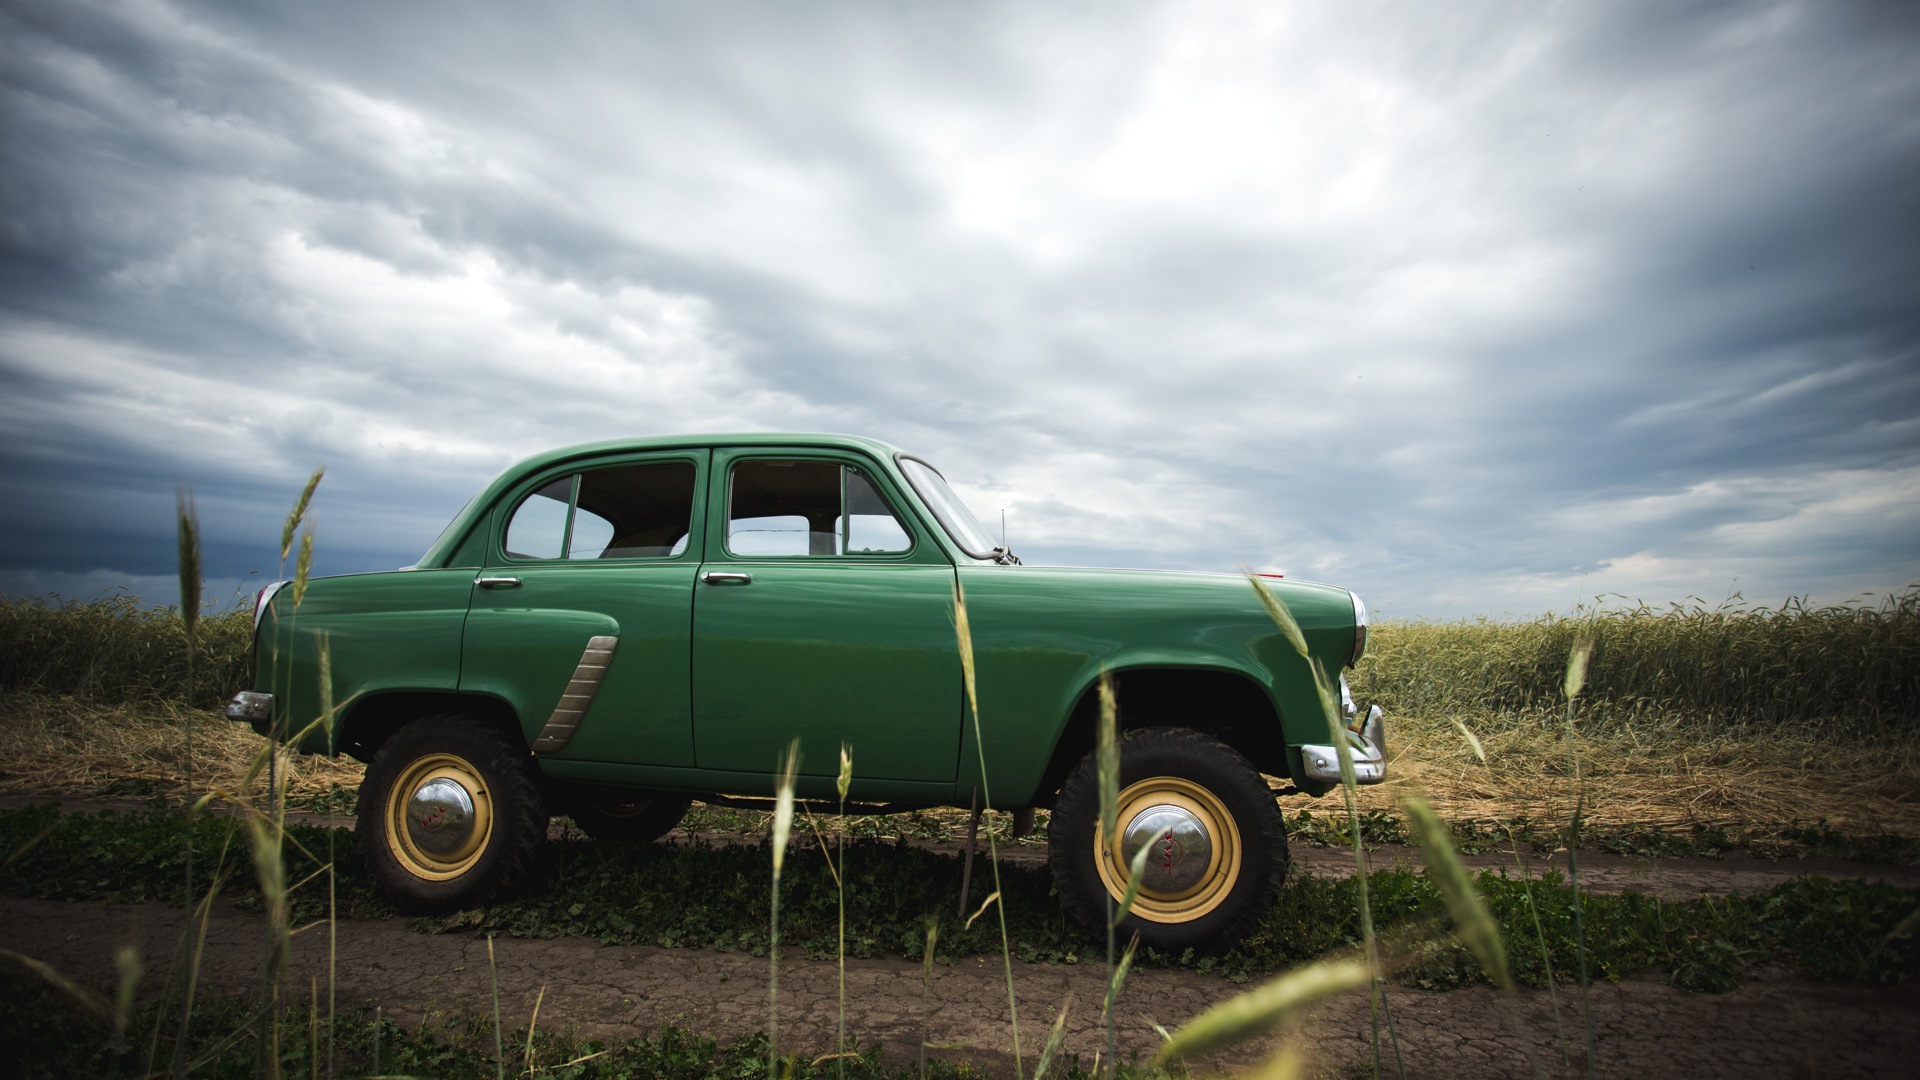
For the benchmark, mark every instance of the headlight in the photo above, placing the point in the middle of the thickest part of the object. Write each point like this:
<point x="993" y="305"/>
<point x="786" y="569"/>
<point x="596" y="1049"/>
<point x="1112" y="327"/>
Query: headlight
<point x="1359" y="626"/>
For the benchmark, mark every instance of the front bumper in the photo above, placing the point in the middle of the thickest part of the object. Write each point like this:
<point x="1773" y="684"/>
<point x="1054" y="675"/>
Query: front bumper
<point x="1367" y="747"/>
<point x="251" y="707"/>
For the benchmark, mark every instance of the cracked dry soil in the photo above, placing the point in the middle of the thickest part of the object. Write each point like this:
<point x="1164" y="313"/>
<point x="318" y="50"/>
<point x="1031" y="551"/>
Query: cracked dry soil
<point x="1775" y="1025"/>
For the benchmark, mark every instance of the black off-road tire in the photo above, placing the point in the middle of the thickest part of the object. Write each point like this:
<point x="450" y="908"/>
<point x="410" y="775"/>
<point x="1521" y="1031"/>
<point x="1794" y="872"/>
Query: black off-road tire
<point x="433" y="862"/>
<point x="1210" y="783"/>
<point x="636" y="818"/>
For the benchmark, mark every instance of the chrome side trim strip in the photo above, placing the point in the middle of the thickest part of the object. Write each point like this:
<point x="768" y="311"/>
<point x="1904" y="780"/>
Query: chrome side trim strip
<point x="572" y="708"/>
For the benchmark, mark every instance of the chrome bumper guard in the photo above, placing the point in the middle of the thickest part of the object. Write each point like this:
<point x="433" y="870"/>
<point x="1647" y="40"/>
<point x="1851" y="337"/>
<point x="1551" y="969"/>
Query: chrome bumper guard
<point x="250" y="706"/>
<point x="1368" y="748"/>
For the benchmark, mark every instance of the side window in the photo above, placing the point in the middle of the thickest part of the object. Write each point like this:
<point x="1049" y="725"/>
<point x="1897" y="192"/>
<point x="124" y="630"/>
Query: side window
<point x="539" y="525"/>
<point x="780" y="508"/>
<point x="869" y="526"/>
<point x="634" y="512"/>
<point x="591" y="536"/>
<point x="639" y="511"/>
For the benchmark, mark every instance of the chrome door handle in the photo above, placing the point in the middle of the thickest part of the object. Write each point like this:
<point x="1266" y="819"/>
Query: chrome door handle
<point x="715" y="577"/>
<point x="497" y="582"/>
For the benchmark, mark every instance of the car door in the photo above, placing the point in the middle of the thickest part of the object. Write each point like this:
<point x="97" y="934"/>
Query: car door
<point x="822" y="613"/>
<point x="580" y="619"/>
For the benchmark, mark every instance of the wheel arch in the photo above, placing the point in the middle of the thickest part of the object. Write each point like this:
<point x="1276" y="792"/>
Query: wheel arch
<point x="373" y="720"/>
<point x="1223" y="702"/>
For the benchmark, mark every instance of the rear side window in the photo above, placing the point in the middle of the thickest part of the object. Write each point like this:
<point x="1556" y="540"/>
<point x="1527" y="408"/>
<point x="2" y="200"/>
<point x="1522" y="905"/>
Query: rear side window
<point x="641" y="511"/>
<point x="784" y="508"/>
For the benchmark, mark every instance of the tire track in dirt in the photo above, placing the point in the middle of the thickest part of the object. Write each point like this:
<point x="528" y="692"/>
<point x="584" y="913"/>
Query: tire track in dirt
<point x="1667" y="878"/>
<point x="1670" y="879"/>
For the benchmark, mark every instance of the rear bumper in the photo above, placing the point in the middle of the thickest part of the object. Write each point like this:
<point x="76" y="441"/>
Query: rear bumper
<point x="1367" y="747"/>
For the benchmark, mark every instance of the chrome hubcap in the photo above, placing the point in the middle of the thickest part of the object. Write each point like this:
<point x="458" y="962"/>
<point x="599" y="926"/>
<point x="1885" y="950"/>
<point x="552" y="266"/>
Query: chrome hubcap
<point x="1182" y="850"/>
<point x="440" y="816"/>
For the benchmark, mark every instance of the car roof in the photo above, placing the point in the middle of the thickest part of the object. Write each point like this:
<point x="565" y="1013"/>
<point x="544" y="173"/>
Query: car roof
<point x="705" y="440"/>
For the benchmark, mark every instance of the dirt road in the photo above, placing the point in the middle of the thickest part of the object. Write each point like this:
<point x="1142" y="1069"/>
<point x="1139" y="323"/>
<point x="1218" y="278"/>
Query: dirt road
<point x="1679" y="879"/>
<point x="1773" y="1026"/>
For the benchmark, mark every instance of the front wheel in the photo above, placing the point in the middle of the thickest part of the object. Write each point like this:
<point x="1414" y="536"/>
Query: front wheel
<point x="451" y="814"/>
<point x="1218" y="844"/>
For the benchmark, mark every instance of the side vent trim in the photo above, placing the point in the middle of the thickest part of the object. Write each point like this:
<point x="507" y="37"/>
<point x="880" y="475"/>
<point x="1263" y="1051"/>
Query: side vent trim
<point x="574" y="702"/>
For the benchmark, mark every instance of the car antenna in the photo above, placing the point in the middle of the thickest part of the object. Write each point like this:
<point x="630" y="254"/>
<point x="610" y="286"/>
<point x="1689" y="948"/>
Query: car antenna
<point x="1003" y="554"/>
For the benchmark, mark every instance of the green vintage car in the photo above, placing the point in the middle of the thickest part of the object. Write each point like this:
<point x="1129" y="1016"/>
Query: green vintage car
<point x="612" y="630"/>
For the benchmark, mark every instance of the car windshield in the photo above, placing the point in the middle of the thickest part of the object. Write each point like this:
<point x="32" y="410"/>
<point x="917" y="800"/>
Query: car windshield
<point x="953" y="514"/>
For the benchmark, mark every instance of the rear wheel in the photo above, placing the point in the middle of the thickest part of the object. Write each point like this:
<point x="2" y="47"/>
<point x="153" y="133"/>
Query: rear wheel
<point x="629" y="819"/>
<point x="450" y="814"/>
<point x="1218" y="844"/>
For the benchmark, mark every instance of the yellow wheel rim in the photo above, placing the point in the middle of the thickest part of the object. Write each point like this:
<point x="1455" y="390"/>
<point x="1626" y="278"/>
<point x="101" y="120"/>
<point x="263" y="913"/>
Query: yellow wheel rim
<point x="439" y="817"/>
<point x="1197" y="849"/>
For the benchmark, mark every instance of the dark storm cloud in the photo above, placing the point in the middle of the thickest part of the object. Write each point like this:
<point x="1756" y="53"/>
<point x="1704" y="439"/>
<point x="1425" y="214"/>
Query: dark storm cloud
<point x="1471" y="309"/>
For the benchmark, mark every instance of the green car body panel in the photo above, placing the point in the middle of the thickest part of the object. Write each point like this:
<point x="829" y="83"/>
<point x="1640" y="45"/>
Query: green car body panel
<point x="692" y="666"/>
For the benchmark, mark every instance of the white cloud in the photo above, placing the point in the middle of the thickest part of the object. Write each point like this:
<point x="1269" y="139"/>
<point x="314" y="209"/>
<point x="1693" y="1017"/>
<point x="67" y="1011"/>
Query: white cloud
<point x="1471" y="310"/>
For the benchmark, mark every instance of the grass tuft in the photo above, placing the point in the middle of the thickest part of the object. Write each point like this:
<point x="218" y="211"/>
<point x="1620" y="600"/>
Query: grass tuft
<point x="782" y="829"/>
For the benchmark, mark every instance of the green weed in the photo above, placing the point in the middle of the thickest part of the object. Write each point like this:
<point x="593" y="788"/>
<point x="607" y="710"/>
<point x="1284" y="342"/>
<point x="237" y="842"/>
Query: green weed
<point x="1838" y="930"/>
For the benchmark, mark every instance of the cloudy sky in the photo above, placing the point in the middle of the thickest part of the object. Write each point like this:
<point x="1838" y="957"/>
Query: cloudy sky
<point x="1475" y="308"/>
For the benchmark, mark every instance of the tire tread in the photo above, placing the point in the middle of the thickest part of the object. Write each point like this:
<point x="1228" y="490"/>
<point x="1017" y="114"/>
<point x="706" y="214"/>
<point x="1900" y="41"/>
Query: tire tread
<point x="519" y="811"/>
<point x="1265" y="858"/>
